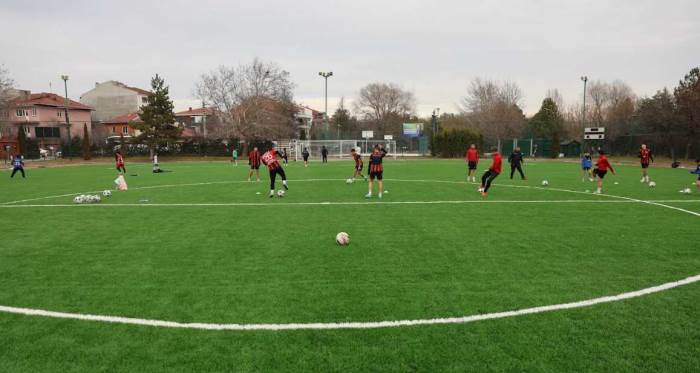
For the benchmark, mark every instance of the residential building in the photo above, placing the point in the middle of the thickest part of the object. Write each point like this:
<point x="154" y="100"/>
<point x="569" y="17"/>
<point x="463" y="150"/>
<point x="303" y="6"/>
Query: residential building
<point x="112" y="99"/>
<point x="121" y="125"/>
<point x="197" y="122"/>
<point x="42" y="116"/>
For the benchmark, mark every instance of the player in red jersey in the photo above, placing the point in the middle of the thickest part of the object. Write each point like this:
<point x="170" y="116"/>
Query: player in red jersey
<point x="254" y="163"/>
<point x="645" y="157"/>
<point x="275" y="168"/>
<point x="472" y="158"/>
<point x="492" y="172"/>
<point x="358" y="164"/>
<point x="119" y="160"/>
<point x="376" y="170"/>
<point x="602" y="167"/>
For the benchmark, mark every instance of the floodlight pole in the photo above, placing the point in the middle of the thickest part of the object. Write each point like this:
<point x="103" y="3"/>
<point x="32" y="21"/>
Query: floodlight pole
<point x="65" y="107"/>
<point x="325" y="76"/>
<point x="583" y="118"/>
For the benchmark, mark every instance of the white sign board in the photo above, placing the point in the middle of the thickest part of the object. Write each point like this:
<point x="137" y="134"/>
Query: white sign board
<point x="594" y="136"/>
<point x="388" y="137"/>
<point x="594" y="130"/>
<point x="367" y="134"/>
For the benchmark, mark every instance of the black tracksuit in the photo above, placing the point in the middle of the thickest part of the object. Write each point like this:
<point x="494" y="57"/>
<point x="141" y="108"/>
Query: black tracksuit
<point x="516" y="160"/>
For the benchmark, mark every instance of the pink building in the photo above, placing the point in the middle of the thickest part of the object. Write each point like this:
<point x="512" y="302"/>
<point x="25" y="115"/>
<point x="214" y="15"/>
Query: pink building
<point x="42" y="116"/>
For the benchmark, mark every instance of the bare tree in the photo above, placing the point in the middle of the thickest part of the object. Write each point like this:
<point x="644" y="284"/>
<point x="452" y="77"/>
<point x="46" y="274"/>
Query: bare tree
<point x="5" y="87"/>
<point x="556" y="97"/>
<point x="384" y="104"/>
<point x="494" y="108"/>
<point x="251" y="101"/>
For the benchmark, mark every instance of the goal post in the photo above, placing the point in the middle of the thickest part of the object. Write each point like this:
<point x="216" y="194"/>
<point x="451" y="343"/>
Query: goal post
<point x="337" y="149"/>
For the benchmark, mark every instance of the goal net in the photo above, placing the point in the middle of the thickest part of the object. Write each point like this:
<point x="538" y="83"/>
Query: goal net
<point x="337" y="149"/>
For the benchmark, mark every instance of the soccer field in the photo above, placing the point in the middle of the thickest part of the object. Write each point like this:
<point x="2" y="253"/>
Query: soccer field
<point x="198" y="270"/>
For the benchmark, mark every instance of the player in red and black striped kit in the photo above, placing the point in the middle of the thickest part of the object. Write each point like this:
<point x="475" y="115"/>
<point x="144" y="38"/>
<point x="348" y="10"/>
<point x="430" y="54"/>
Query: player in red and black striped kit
<point x="119" y="160"/>
<point x="472" y="158"/>
<point x="602" y="167"/>
<point x="645" y="157"/>
<point x="492" y="172"/>
<point x="376" y="170"/>
<point x="358" y="164"/>
<point x="275" y="168"/>
<point x="254" y="163"/>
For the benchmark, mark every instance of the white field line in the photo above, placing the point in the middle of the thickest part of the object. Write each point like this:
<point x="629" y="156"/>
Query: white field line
<point x="350" y="203"/>
<point x="352" y="325"/>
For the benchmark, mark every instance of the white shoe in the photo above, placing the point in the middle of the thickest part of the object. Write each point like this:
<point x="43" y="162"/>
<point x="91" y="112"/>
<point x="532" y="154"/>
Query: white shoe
<point x="598" y="192"/>
<point x="590" y="179"/>
<point x="368" y="195"/>
<point x="380" y="196"/>
<point x="644" y="179"/>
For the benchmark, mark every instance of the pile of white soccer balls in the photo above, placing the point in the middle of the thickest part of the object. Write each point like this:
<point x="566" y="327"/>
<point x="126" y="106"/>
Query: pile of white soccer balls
<point x="90" y="198"/>
<point x="86" y="198"/>
<point x="686" y="191"/>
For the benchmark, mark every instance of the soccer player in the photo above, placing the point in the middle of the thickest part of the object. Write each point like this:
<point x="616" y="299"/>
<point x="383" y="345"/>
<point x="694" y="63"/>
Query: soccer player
<point x="17" y="165"/>
<point x="119" y="160"/>
<point x="234" y="157"/>
<point x="376" y="170"/>
<point x="472" y="158"/>
<point x="645" y="157"/>
<point x="358" y="164"/>
<point x="156" y="166"/>
<point x="324" y="154"/>
<point x="697" y="172"/>
<point x="516" y="160"/>
<point x="586" y="166"/>
<point x="254" y="163"/>
<point x="602" y="167"/>
<point x="305" y="154"/>
<point x="285" y="157"/>
<point x="273" y="165"/>
<point x="492" y="172"/>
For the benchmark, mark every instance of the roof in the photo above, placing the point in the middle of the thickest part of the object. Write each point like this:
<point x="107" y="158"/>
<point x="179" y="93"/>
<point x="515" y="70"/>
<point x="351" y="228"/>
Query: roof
<point x="138" y="90"/>
<point x="187" y="133"/>
<point x="49" y="99"/>
<point x="123" y="119"/>
<point x="193" y="112"/>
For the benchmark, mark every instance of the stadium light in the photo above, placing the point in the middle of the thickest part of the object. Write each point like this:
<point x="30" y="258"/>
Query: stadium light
<point x="65" y="107"/>
<point x="583" y="118"/>
<point x="325" y="76"/>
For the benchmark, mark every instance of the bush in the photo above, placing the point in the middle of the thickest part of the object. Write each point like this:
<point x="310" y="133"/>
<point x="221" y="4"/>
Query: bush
<point x="454" y="143"/>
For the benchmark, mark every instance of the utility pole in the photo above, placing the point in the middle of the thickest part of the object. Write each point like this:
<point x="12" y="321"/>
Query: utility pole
<point x="204" y="120"/>
<point x="326" y="75"/>
<point x="583" y="118"/>
<point x="65" y="107"/>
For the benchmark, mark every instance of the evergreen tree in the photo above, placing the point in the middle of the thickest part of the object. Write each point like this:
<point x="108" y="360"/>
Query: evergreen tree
<point x="21" y="140"/>
<point x="158" y="120"/>
<point x="687" y="96"/>
<point x="548" y="123"/>
<point x="86" y="143"/>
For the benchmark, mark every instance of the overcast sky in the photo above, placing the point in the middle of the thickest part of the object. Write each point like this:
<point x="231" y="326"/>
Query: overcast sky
<point x="432" y="48"/>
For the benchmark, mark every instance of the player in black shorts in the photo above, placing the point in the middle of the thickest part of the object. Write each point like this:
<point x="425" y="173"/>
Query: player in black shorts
<point x="359" y="165"/>
<point x="305" y="154"/>
<point x="376" y="170"/>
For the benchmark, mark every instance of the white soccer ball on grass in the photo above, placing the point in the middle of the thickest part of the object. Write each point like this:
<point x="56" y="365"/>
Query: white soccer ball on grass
<point x="349" y="181"/>
<point x="342" y="239"/>
<point x="280" y="193"/>
<point x="652" y="184"/>
<point x="107" y="193"/>
<point x="545" y="183"/>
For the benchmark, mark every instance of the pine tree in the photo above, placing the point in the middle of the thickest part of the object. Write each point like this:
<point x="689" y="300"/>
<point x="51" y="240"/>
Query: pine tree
<point x="158" y="120"/>
<point x="21" y="140"/>
<point x="86" y="143"/>
<point x="548" y="123"/>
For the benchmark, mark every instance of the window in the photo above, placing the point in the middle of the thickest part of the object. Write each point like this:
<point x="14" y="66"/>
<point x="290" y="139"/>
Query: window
<point x="21" y="113"/>
<point x="33" y="111"/>
<point x="59" y="113"/>
<point x="4" y="114"/>
<point x="114" y="129"/>
<point x="44" y="132"/>
<point x="144" y="100"/>
<point x="125" y="130"/>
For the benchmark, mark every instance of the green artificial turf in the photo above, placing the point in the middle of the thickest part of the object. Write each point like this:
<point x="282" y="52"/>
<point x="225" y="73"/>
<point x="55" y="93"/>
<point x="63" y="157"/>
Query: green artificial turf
<point x="201" y="244"/>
